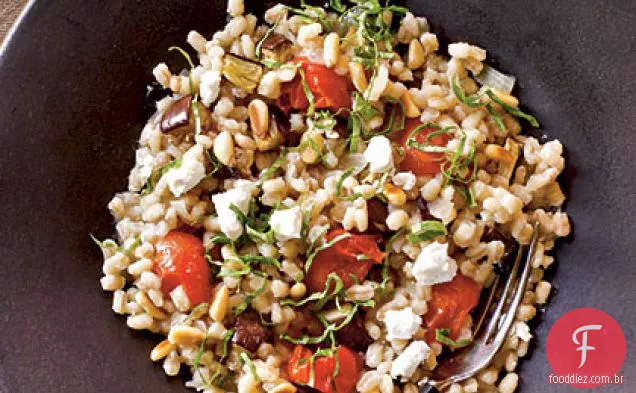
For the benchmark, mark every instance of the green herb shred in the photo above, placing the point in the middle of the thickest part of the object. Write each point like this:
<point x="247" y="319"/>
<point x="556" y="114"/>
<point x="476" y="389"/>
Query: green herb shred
<point x="312" y="255"/>
<point x="226" y="341"/>
<point x="443" y="336"/>
<point x="427" y="230"/>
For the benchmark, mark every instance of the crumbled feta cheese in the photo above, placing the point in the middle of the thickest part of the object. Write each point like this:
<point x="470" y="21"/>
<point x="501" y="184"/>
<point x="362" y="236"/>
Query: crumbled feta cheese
<point x="406" y="180"/>
<point x="379" y="155"/>
<point x="401" y="324"/>
<point x="287" y="223"/>
<point x="187" y="175"/>
<point x="433" y="265"/>
<point x="409" y="360"/>
<point x="229" y="222"/>
<point x="210" y="87"/>
<point x="144" y="162"/>
<point x="523" y="331"/>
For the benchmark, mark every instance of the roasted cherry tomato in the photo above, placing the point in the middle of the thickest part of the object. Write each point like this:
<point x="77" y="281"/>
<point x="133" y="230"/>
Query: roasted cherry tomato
<point x="180" y="260"/>
<point x="353" y="255"/>
<point x="417" y="161"/>
<point x="349" y="367"/>
<point x="450" y="304"/>
<point x="330" y="90"/>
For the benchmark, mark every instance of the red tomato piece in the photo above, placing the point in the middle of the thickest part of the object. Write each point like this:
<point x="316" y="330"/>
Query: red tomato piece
<point x="450" y="304"/>
<point x="330" y="90"/>
<point x="349" y="367"/>
<point x="417" y="161"/>
<point x="180" y="260"/>
<point x="342" y="259"/>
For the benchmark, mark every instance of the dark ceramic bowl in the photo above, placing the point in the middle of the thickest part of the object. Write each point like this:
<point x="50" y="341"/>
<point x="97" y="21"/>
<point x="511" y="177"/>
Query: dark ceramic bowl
<point x="73" y="77"/>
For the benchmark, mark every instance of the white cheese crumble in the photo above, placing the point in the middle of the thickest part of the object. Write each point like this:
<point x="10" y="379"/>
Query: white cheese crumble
<point x="190" y="173"/>
<point x="210" y="87"/>
<point x="401" y="324"/>
<point x="433" y="265"/>
<point x="144" y="162"/>
<point x="379" y="155"/>
<point x="409" y="360"/>
<point x="240" y="196"/>
<point x="406" y="180"/>
<point x="523" y="331"/>
<point x="287" y="223"/>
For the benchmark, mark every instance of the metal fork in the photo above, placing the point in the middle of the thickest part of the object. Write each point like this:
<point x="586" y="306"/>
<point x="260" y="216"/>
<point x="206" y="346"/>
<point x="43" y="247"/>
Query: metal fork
<point x="491" y="328"/>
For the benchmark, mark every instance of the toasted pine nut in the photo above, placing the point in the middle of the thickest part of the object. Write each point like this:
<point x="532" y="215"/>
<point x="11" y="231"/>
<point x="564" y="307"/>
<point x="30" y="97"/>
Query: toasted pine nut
<point x="142" y="299"/>
<point x="218" y="308"/>
<point x="313" y="144"/>
<point x="394" y="90"/>
<point x="499" y="154"/>
<point x="331" y="49"/>
<point x="505" y="97"/>
<point x="411" y="110"/>
<point x="298" y="290"/>
<point x="245" y="141"/>
<point x="162" y="350"/>
<point x="284" y="387"/>
<point x="185" y="335"/>
<point x="395" y="195"/>
<point x="358" y="77"/>
<point x="259" y="117"/>
<point x="415" y="57"/>
<point x="224" y="147"/>
<point x="379" y="83"/>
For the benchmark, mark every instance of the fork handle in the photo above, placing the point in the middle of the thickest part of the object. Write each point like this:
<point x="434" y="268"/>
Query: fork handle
<point x="428" y="388"/>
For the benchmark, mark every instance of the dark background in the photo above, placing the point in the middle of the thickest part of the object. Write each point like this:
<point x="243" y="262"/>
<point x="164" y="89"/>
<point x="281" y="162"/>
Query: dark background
<point x="73" y="80"/>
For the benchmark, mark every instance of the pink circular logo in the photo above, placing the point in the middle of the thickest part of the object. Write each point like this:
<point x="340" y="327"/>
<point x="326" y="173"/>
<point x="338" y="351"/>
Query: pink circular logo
<point x="586" y="348"/>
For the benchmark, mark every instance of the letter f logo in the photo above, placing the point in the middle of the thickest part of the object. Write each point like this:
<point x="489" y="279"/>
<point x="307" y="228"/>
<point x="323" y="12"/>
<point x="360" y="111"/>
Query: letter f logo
<point x="583" y="344"/>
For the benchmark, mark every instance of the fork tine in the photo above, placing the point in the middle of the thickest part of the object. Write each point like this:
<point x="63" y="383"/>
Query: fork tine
<point x="505" y="324"/>
<point x="504" y="297"/>
<point x="468" y="361"/>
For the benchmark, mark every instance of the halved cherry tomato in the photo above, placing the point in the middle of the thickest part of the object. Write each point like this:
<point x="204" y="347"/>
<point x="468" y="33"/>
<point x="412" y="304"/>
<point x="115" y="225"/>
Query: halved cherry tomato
<point x="450" y="304"/>
<point x="349" y="367"/>
<point x="180" y="260"/>
<point x="330" y="90"/>
<point x="417" y="161"/>
<point x="353" y="255"/>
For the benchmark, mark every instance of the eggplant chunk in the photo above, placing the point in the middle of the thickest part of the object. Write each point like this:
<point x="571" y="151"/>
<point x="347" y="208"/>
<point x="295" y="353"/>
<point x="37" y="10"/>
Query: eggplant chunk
<point x="250" y="334"/>
<point x="180" y="119"/>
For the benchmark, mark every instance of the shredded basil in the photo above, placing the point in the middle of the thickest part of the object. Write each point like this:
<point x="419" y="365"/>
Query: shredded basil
<point x="324" y="120"/>
<point x="476" y="102"/>
<point x="385" y="263"/>
<point x="355" y="130"/>
<point x="259" y="46"/>
<point x="427" y="230"/>
<point x="321" y="297"/>
<point x="183" y="53"/>
<point x="313" y="14"/>
<point x="247" y="300"/>
<point x="312" y="255"/>
<point x="197" y="359"/>
<point x="363" y="107"/>
<point x="195" y="311"/>
<point x="310" y="96"/>
<point x="260" y="237"/>
<point x="104" y="244"/>
<point x="443" y="336"/>
<point x="226" y="341"/>
<point x="157" y="174"/>
<point x="514" y="111"/>
<point x="245" y="359"/>
<point x="305" y="340"/>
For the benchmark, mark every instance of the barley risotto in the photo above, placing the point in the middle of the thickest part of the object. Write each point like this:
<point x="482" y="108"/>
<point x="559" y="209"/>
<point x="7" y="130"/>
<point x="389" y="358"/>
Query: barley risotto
<point x="319" y="200"/>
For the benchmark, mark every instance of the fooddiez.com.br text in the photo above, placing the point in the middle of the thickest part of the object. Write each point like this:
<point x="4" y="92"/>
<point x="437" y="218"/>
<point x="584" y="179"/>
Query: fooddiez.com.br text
<point x="585" y="379"/>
